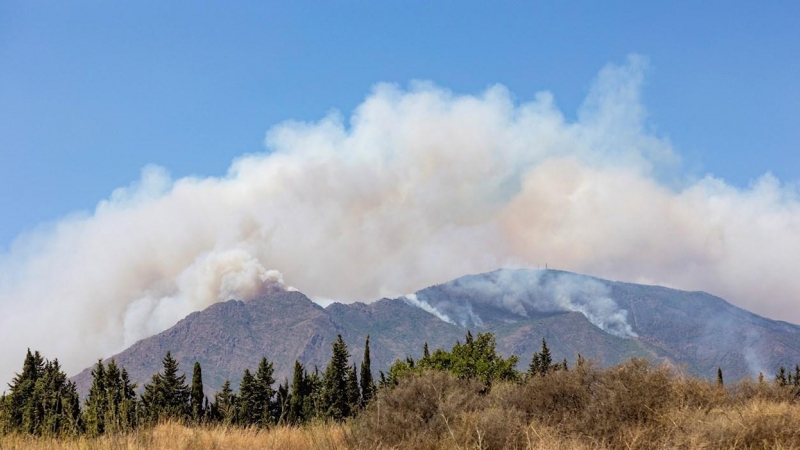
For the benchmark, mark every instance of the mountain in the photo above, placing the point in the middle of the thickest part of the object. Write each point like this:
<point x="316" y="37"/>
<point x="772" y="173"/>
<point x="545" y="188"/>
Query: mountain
<point x="603" y="320"/>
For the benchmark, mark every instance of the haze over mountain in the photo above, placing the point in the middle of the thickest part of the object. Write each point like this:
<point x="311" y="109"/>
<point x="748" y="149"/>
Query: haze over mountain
<point x="603" y="320"/>
<point x="418" y="185"/>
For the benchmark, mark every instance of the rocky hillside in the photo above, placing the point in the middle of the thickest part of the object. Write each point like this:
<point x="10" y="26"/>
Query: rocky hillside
<point x="603" y="320"/>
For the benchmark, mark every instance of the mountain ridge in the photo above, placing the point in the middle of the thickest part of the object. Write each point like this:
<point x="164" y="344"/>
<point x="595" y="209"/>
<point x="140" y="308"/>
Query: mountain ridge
<point x="608" y="321"/>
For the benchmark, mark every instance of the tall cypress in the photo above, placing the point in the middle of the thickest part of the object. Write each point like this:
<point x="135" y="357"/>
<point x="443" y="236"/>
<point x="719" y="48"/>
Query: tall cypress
<point x="367" y="383"/>
<point x="197" y="392"/>
<point x="720" y="381"/>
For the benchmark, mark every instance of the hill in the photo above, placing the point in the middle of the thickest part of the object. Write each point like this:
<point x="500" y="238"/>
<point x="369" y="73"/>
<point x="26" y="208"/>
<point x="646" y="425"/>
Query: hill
<point x="604" y="320"/>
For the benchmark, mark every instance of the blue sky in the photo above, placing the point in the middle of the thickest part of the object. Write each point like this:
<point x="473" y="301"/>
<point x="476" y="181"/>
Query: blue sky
<point x="91" y="91"/>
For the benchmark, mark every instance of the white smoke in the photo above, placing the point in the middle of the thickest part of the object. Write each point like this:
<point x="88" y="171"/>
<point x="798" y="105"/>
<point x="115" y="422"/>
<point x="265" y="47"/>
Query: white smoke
<point x="418" y="187"/>
<point x="523" y="292"/>
<point x="412" y="300"/>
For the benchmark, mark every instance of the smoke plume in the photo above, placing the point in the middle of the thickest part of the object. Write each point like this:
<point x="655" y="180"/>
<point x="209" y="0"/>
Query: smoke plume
<point x="418" y="186"/>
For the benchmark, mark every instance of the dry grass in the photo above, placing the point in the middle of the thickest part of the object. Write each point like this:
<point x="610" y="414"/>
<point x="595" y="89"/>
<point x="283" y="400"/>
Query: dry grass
<point x="632" y="406"/>
<point x="174" y="436"/>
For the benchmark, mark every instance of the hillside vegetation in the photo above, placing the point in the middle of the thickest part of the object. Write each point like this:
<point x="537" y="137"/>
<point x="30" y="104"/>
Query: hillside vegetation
<point x="465" y="398"/>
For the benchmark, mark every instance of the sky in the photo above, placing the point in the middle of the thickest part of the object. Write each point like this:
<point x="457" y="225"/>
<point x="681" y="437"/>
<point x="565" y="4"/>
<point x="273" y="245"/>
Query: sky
<point x="91" y="92"/>
<point x="156" y="158"/>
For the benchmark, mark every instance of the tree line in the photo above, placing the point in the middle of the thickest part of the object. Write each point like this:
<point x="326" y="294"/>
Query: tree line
<point x="42" y="401"/>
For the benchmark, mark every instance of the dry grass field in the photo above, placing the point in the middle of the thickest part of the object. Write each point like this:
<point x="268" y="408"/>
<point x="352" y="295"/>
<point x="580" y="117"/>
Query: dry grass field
<point x="631" y="406"/>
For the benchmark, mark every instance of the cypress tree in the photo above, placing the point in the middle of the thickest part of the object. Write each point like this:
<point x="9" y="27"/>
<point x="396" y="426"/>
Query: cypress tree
<point x="720" y="381"/>
<point x="367" y="384"/>
<point x="335" y="382"/>
<point x="197" y="395"/>
<point x="426" y="354"/>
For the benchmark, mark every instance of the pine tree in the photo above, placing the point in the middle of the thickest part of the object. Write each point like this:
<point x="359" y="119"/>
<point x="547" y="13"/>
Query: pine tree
<point x="780" y="377"/>
<point x="426" y="354"/>
<point x="21" y="397"/>
<point x="797" y="375"/>
<point x="247" y="400"/>
<point x="224" y="405"/>
<point x="167" y="395"/>
<point x="197" y="395"/>
<point x="97" y="402"/>
<point x="128" y="407"/>
<point x="546" y="360"/>
<point x="299" y="394"/>
<point x="266" y="407"/>
<point x="335" y="382"/>
<point x="282" y="398"/>
<point x="367" y="384"/>
<point x="536" y="363"/>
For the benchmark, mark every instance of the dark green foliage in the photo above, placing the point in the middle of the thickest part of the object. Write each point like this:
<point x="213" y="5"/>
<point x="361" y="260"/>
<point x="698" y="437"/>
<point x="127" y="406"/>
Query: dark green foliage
<point x="476" y="358"/>
<point x="367" y="384"/>
<point x="224" y="407"/>
<point x="266" y="406"/>
<point x="720" y="381"/>
<point x="334" y="391"/>
<point x="282" y="398"/>
<point x="353" y="391"/>
<point x="796" y="375"/>
<point x="300" y="395"/>
<point x="314" y="405"/>
<point x="167" y="395"/>
<point x="97" y="402"/>
<point x="247" y="410"/>
<point x="41" y="400"/>
<point x="780" y="377"/>
<point x="542" y="362"/>
<point x="197" y="395"/>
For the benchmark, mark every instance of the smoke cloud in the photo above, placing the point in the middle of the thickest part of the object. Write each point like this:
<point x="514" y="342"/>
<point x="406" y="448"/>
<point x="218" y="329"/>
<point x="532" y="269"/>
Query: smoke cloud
<point x="523" y="293"/>
<point x="419" y="186"/>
